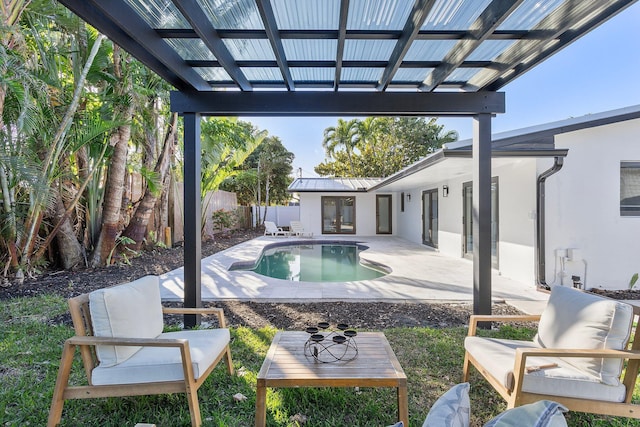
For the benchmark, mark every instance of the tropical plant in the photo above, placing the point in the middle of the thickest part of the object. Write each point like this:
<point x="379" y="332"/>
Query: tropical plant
<point x="344" y="136"/>
<point x="379" y="146"/>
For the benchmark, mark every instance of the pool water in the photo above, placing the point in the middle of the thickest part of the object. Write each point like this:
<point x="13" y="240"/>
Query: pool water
<point x="315" y="263"/>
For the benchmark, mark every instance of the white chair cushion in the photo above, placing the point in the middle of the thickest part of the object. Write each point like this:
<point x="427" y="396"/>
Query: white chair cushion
<point x="580" y="320"/>
<point x="497" y="357"/>
<point x="156" y="364"/>
<point x="130" y="310"/>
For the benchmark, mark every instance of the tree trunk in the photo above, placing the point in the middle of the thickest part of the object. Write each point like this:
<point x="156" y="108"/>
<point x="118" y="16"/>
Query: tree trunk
<point x="137" y="227"/>
<point x="68" y="245"/>
<point x="111" y="211"/>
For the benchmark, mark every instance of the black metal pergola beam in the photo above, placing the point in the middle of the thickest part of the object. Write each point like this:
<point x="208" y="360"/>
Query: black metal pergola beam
<point x="481" y="29"/>
<point x="419" y="13"/>
<point x="270" y="25"/>
<point x="528" y="53"/>
<point x="127" y="29"/>
<point x="342" y="32"/>
<point x="187" y="33"/>
<point x="338" y="103"/>
<point x="193" y="12"/>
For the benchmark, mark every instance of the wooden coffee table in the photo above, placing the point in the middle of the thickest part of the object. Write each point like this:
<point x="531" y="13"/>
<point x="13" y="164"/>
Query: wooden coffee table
<point x="287" y="366"/>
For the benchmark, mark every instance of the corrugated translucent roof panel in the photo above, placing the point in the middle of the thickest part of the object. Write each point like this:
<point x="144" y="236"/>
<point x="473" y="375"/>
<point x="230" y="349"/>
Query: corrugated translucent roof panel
<point x="225" y="14"/>
<point x="249" y="49"/>
<point x="454" y="14"/>
<point x="489" y="50"/>
<point x="302" y="185"/>
<point x="529" y="14"/>
<point x="159" y="13"/>
<point x="361" y="74"/>
<point x="310" y="74"/>
<point x="415" y="75"/>
<point x="310" y="49"/>
<point x="378" y="14"/>
<point x="429" y="50"/>
<point x="368" y="50"/>
<point x="191" y="49"/>
<point x="257" y="74"/>
<point x="213" y="74"/>
<point x="307" y="14"/>
<point x="463" y="74"/>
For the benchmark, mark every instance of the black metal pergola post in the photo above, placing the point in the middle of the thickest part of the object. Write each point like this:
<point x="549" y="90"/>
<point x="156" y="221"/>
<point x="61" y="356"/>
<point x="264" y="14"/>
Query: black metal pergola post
<point x="481" y="214"/>
<point x="192" y="217"/>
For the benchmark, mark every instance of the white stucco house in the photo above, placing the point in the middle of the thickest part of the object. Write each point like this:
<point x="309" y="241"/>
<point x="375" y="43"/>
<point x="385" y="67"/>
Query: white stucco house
<point x="565" y="202"/>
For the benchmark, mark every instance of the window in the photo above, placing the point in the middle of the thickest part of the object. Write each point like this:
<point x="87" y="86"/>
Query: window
<point x="338" y="215"/>
<point x="467" y="220"/>
<point x="629" y="188"/>
<point x="402" y="202"/>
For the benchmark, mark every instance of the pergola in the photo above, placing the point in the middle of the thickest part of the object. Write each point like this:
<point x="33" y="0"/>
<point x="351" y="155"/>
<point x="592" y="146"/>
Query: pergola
<point x="343" y="58"/>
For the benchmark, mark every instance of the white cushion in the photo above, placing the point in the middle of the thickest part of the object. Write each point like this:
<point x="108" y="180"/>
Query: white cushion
<point x="452" y="409"/>
<point x="497" y="357"/>
<point x="156" y="364"/>
<point x="131" y="310"/>
<point x="543" y="413"/>
<point x="580" y="320"/>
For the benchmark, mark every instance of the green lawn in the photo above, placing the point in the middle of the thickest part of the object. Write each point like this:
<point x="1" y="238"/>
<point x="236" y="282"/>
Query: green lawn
<point x="31" y="345"/>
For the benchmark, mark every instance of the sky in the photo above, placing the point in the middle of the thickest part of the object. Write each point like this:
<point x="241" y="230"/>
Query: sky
<point x="598" y="72"/>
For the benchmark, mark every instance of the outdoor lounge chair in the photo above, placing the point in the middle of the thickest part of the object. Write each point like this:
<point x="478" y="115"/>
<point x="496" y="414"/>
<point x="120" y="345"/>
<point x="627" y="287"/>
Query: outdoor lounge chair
<point x="125" y="353"/>
<point x="297" y="229"/>
<point x="270" y="229"/>
<point x="576" y="358"/>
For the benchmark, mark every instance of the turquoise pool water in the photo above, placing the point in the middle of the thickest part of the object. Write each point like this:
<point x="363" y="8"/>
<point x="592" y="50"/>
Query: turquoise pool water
<point x="315" y="263"/>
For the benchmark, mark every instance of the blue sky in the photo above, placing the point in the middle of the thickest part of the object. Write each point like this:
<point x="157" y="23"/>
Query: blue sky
<point x="598" y="72"/>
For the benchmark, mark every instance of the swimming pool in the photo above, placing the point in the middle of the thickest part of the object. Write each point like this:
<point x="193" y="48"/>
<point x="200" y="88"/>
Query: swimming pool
<point x="318" y="262"/>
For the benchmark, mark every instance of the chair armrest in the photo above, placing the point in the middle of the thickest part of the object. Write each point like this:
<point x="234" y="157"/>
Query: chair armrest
<point x="181" y="343"/>
<point x="138" y="342"/>
<point x="475" y="318"/>
<point x="563" y="352"/>
<point x="522" y="354"/>
<point x="200" y="310"/>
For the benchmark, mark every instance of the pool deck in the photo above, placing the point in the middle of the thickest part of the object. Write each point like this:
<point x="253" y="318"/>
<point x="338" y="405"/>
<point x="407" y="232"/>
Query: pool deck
<point x="419" y="274"/>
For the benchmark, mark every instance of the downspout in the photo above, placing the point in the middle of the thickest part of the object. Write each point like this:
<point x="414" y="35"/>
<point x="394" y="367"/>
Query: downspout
<point x="540" y="222"/>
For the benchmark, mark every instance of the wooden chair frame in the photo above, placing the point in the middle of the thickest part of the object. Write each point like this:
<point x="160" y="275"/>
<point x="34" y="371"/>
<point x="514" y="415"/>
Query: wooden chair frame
<point x="86" y="342"/>
<point x="516" y="396"/>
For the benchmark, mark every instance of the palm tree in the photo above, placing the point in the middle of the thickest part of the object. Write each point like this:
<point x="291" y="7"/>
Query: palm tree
<point x="344" y="135"/>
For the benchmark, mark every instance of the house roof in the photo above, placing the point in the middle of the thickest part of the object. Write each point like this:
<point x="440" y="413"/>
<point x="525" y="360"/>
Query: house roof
<point x="539" y="136"/>
<point x="311" y="185"/>
<point x="335" y="45"/>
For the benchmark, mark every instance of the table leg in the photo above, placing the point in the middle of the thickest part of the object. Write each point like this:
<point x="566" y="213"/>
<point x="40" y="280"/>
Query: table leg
<point x="403" y="405"/>
<point x="261" y="406"/>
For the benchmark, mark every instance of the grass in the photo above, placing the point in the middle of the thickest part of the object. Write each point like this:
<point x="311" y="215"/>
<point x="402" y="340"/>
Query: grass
<point x="31" y="345"/>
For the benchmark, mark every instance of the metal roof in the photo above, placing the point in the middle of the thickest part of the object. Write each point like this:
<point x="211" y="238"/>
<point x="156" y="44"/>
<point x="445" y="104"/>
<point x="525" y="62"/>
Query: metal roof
<point x="343" y="45"/>
<point x="310" y="185"/>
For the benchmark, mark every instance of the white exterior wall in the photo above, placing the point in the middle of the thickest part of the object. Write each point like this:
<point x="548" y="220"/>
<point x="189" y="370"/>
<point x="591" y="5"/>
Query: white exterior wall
<point x="311" y="211"/>
<point x="583" y="208"/>
<point x="516" y="218"/>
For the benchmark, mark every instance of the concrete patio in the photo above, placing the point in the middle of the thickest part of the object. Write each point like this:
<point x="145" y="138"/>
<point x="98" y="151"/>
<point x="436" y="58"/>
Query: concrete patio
<point x="418" y="274"/>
